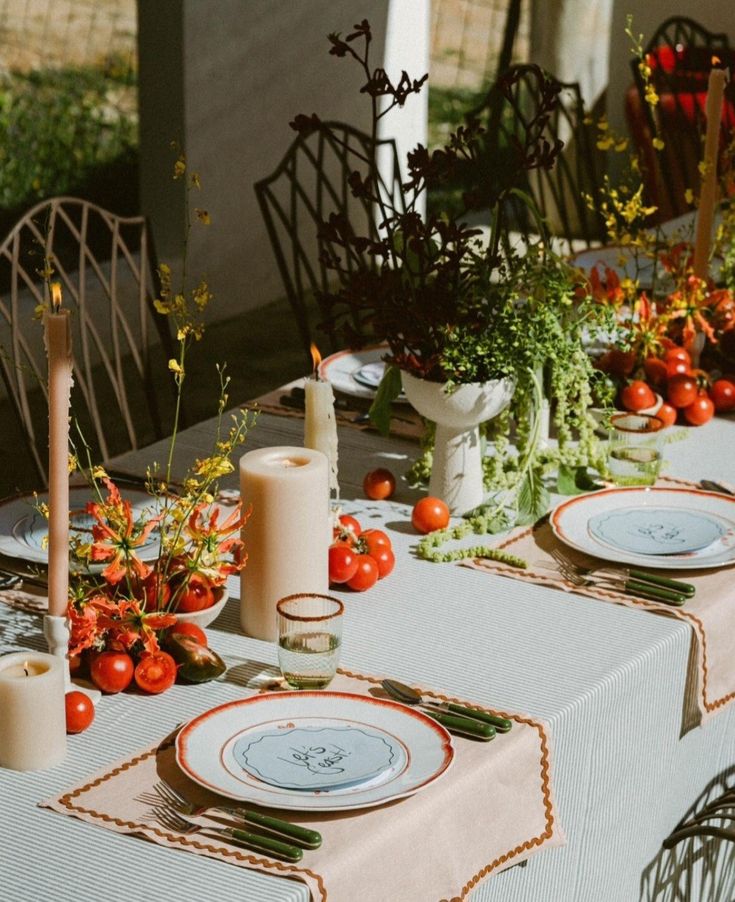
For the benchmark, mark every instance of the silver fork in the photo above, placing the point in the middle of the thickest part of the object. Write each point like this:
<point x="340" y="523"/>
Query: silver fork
<point x="616" y="578"/>
<point x="172" y="820"/>
<point x="302" y="836"/>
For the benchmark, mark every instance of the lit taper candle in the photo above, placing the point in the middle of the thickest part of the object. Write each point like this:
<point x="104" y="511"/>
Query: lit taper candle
<point x="320" y="422"/>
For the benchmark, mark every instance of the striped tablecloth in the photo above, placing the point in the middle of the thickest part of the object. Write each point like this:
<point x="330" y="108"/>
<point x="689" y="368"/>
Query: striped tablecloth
<point x="609" y="680"/>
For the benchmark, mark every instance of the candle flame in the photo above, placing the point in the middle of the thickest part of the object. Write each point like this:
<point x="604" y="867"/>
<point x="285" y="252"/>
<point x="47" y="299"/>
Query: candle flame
<point x="316" y="357"/>
<point x="716" y="60"/>
<point x="56" y="296"/>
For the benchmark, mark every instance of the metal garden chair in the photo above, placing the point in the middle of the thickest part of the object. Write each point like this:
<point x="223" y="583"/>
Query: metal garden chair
<point x="309" y="184"/>
<point x="509" y="111"/>
<point x="680" y="54"/>
<point x="105" y="266"/>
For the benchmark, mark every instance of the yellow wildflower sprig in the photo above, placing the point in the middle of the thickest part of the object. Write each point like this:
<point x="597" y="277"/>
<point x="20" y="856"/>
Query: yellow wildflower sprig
<point x="650" y="94"/>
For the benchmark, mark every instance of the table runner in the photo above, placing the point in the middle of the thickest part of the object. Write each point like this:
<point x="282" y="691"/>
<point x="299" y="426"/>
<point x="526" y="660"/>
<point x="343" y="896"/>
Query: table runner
<point x="711" y="613"/>
<point x="492" y="809"/>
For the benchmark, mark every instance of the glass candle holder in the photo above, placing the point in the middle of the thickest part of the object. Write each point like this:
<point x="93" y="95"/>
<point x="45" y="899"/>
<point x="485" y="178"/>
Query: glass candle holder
<point x="634" y="453"/>
<point x="309" y="639"/>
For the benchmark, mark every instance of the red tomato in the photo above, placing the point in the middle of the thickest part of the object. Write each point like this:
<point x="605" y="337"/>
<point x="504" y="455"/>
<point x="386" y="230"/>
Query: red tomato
<point x="667" y="414"/>
<point x="637" y="396"/>
<point x="156" y="672"/>
<point x="682" y="390"/>
<point x="379" y="484"/>
<point x="723" y="395"/>
<point x="155" y="599"/>
<point x="677" y="368"/>
<point x="349" y="528"/>
<point x="79" y="712"/>
<point x="366" y="574"/>
<point x="429" y="514"/>
<point x="342" y="562"/>
<point x="185" y="628"/>
<point x="655" y="370"/>
<point x="617" y="362"/>
<point x="677" y="353"/>
<point x="373" y="540"/>
<point x="112" y="671"/>
<point x="386" y="561"/>
<point x="700" y="411"/>
<point x="196" y="596"/>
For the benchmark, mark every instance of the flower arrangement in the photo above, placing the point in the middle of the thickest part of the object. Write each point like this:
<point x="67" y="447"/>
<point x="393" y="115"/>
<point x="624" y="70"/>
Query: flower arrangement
<point x="135" y="571"/>
<point x="451" y="307"/>
<point x="674" y="329"/>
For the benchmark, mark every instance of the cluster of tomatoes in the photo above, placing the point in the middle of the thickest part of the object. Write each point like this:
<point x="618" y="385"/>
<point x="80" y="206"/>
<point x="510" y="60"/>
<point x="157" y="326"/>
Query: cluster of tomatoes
<point x="113" y="671"/>
<point x="359" y="558"/>
<point x="689" y="394"/>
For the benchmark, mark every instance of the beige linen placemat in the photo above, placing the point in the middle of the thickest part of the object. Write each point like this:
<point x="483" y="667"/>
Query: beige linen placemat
<point x="711" y="613"/>
<point x="492" y="809"/>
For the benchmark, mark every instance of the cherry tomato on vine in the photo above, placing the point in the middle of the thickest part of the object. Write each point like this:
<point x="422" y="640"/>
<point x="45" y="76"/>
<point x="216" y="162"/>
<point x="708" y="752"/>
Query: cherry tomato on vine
<point x="196" y="596"/>
<point x="186" y="628"/>
<point x="112" y="671"/>
<point x="655" y="370"/>
<point x="700" y="411"/>
<point x="677" y="368"/>
<point x="677" y="353"/>
<point x="342" y="562"/>
<point x="372" y="540"/>
<point x="155" y="672"/>
<point x="79" y="711"/>
<point x="723" y="395"/>
<point x="379" y="484"/>
<point x="667" y="414"/>
<point x="429" y="514"/>
<point x="681" y="390"/>
<point x="349" y="528"/>
<point x="366" y="574"/>
<point x="637" y="395"/>
<point x="386" y="561"/>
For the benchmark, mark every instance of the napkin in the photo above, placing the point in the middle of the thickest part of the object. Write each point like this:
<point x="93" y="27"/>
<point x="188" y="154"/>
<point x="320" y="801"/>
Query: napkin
<point x="492" y="809"/>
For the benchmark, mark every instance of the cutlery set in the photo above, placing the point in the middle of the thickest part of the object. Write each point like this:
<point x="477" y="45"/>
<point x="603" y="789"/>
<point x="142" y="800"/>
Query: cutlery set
<point x="282" y="839"/>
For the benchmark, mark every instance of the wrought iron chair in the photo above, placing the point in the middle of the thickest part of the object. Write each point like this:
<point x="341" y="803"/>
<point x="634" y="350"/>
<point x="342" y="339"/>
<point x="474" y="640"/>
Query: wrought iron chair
<point x="679" y="54"/>
<point x="105" y="266"/>
<point x="509" y="112"/>
<point x="308" y="185"/>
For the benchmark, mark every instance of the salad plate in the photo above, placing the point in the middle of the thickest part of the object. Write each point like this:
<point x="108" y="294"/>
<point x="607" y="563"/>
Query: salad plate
<point x="356" y="373"/>
<point x="24" y="529"/>
<point x="314" y="751"/>
<point x="600" y="524"/>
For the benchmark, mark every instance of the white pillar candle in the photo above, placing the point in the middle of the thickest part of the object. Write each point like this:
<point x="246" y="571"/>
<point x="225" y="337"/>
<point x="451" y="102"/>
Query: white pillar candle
<point x="58" y="348"/>
<point x="320" y="422"/>
<point x="708" y="190"/>
<point x="285" y="537"/>
<point x="32" y="713"/>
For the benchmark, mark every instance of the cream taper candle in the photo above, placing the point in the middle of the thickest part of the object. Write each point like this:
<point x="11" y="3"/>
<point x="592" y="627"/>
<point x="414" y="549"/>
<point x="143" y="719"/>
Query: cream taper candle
<point x="32" y="713"/>
<point x="708" y="190"/>
<point x="320" y="422"/>
<point x="285" y="538"/>
<point x="58" y="348"/>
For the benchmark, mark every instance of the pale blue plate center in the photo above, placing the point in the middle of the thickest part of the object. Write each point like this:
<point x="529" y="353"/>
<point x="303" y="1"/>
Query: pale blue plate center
<point x="656" y="531"/>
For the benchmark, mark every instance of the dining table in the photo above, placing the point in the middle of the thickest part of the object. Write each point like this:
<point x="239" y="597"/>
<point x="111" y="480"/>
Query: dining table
<point x="609" y="683"/>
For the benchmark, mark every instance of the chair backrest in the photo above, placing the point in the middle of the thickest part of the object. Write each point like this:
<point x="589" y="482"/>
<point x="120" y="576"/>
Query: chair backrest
<point x="308" y="185"/>
<point x="679" y="54"/>
<point x="510" y="113"/>
<point x="105" y="266"/>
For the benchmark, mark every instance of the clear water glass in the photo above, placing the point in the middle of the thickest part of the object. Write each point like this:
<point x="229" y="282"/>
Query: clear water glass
<point x="309" y="639"/>
<point x="634" y="453"/>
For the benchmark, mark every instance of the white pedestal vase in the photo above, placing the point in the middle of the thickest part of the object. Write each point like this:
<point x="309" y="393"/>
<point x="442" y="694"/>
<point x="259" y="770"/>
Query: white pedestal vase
<point x="456" y="471"/>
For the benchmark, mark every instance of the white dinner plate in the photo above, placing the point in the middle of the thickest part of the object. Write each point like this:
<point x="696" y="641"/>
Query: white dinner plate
<point x="356" y="373"/>
<point x="571" y="522"/>
<point x="406" y="750"/>
<point x="657" y="530"/>
<point x="24" y="531"/>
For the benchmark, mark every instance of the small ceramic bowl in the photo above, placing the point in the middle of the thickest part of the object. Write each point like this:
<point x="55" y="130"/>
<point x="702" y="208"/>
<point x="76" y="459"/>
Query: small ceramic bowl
<point x="207" y="615"/>
<point x="654" y="408"/>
